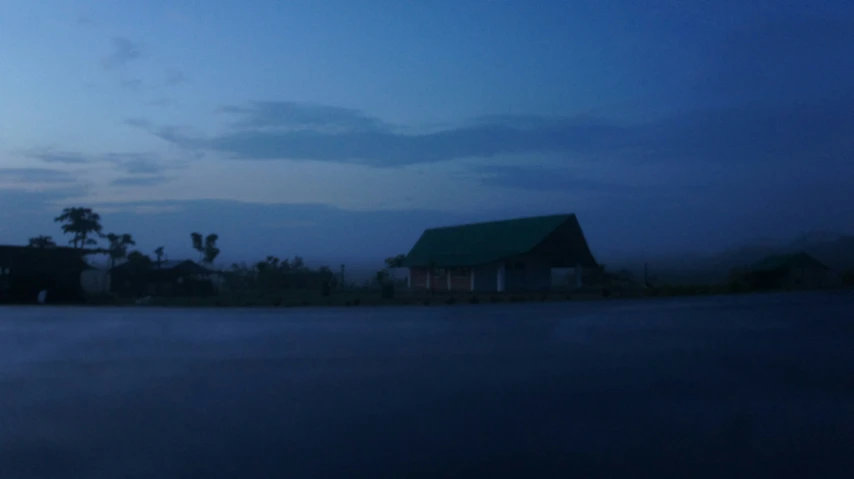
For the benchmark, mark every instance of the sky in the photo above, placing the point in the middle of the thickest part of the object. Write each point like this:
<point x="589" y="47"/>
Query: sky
<point x="339" y="130"/>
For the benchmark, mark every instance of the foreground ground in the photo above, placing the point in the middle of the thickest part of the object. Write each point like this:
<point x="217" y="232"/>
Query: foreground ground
<point x="740" y="386"/>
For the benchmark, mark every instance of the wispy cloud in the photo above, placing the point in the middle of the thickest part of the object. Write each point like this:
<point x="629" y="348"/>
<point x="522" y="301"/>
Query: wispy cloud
<point x="36" y="175"/>
<point x="272" y="130"/>
<point x="174" y="77"/>
<point x="135" y="163"/>
<point x="540" y="178"/>
<point x="743" y="135"/>
<point x="124" y="51"/>
<point x="139" y="180"/>
<point x="59" y="157"/>
<point x="84" y="20"/>
<point x="290" y="116"/>
<point x="132" y="84"/>
<point x="162" y="102"/>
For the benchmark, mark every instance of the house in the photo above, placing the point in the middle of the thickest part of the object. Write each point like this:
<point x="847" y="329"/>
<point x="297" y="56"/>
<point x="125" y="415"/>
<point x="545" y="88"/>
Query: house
<point x="791" y="271"/>
<point x="497" y="256"/>
<point x="25" y="271"/>
<point x="167" y="278"/>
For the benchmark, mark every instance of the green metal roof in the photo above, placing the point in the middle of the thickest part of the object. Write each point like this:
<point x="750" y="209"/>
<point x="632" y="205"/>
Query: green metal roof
<point x="481" y="243"/>
<point x="788" y="261"/>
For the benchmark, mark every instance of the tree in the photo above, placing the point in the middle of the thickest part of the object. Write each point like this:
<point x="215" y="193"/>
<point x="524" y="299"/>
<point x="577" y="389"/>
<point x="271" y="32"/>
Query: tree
<point x="118" y="248"/>
<point x="206" y="246"/>
<point x="198" y="243"/>
<point x="138" y="261"/>
<point x="41" y="241"/>
<point x="395" y="261"/>
<point x="159" y="253"/>
<point x="82" y="223"/>
<point x="210" y="249"/>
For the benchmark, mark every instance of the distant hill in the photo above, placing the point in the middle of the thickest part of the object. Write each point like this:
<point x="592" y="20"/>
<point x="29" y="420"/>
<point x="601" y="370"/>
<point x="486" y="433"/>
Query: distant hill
<point x="834" y="250"/>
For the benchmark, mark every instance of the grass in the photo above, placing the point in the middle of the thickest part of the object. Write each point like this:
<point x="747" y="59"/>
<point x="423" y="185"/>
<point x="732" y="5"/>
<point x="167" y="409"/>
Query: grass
<point x="369" y="297"/>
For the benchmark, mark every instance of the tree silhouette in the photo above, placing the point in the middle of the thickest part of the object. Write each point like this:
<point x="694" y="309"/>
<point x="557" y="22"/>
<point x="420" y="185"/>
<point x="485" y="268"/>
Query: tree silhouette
<point x="159" y="253"/>
<point x="82" y="223"/>
<point x="138" y="261"/>
<point x="210" y="249"/>
<point x="42" y="241"/>
<point x="198" y="244"/>
<point x="206" y="246"/>
<point x="395" y="261"/>
<point x="118" y="248"/>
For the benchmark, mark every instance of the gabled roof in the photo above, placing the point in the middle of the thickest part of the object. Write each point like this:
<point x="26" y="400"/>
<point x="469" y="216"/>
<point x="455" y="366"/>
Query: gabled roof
<point x="788" y="261"/>
<point x="482" y="243"/>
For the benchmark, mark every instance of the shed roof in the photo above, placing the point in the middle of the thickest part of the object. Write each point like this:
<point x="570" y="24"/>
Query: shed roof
<point x="482" y="243"/>
<point x="788" y="261"/>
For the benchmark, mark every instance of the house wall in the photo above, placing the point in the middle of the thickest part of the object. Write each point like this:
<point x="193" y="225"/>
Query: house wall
<point x="95" y="281"/>
<point x="439" y="279"/>
<point x="461" y="279"/>
<point x="486" y="278"/>
<point x="418" y="278"/>
<point x="528" y="273"/>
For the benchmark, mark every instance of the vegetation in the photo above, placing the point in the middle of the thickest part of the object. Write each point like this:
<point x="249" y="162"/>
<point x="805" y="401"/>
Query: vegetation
<point x="279" y="281"/>
<point x="118" y="249"/>
<point x="41" y="241"/>
<point x="206" y="246"/>
<point x="82" y="224"/>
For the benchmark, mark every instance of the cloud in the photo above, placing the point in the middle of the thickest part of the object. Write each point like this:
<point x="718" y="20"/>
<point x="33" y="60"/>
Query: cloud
<point x="36" y="175"/>
<point x="131" y="84"/>
<point x="174" y="78"/>
<point x="271" y="130"/>
<point x="59" y="157"/>
<point x="293" y="116"/>
<point x="540" y="178"/>
<point x="139" y="181"/>
<point x="124" y="51"/>
<point x="782" y="134"/>
<point x="162" y="102"/>
<point x="139" y="123"/>
<point x="134" y="163"/>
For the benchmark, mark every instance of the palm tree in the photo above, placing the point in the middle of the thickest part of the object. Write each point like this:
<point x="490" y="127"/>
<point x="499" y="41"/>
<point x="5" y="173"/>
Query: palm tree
<point x="42" y="241"/>
<point x="198" y="244"/>
<point x="159" y="253"/>
<point x="118" y="247"/>
<point x="210" y="249"/>
<point x="82" y="223"/>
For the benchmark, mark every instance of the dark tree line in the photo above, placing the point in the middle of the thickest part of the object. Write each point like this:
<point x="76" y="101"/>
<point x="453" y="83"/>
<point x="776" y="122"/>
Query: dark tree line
<point x="85" y="228"/>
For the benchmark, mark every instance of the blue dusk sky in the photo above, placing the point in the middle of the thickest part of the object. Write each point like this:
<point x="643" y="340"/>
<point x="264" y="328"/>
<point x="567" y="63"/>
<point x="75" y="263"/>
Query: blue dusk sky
<point x="339" y="129"/>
